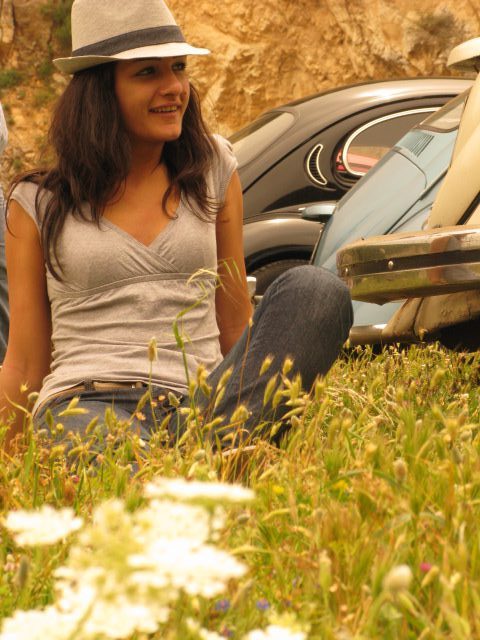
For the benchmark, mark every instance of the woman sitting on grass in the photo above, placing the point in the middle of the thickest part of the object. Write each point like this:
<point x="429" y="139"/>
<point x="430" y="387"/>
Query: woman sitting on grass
<point x="121" y="239"/>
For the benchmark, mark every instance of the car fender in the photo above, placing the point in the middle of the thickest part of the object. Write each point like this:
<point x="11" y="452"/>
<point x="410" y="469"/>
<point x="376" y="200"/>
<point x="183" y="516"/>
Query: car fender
<point x="267" y="240"/>
<point x="457" y="193"/>
<point x="470" y="119"/>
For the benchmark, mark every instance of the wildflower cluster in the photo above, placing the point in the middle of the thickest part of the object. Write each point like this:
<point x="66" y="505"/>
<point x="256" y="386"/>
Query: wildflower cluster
<point x="274" y="632"/>
<point x="126" y="570"/>
<point x="43" y="527"/>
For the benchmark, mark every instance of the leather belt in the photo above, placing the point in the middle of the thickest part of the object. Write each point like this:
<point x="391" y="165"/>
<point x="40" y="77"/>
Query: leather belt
<point x="87" y="386"/>
<point x="97" y="385"/>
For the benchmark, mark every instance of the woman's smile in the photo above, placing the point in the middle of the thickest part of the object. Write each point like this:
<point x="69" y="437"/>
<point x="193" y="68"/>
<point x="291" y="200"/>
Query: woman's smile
<point x="166" y="109"/>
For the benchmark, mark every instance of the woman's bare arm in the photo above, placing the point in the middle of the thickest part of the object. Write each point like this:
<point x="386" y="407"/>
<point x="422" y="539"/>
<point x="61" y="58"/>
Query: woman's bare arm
<point x="232" y="299"/>
<point x="27" y="360"/>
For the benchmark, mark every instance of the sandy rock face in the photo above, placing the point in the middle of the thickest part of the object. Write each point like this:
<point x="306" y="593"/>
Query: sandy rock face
<point x="263" y="54"/>
<point x="7" y="26"/>
<point x="268" y="53"/>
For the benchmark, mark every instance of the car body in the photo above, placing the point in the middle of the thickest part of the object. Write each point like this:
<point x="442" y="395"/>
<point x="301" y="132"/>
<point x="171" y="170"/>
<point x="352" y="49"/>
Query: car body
<point x="396" y="196"/>
<point x="423" y="197"/>
<point x="314" y="150"/>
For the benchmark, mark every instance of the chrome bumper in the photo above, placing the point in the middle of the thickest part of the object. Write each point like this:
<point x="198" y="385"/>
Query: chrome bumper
<point x="404" y="265"/>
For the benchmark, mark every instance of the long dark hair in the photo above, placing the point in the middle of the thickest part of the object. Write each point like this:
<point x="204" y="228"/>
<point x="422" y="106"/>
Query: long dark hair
<point x="93" y="157"/>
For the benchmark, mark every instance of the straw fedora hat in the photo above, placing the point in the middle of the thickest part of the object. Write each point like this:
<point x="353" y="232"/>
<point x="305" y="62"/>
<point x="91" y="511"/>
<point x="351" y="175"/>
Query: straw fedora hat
<point x="107" y="30"/>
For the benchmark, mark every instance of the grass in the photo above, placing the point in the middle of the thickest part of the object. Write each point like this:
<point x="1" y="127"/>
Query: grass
<point x="45" y="69"/>
<point x="10" y="78"/>
<point x="43" y="97"/>
<point x="58" y="11"/>
<point x="381" y="469"/>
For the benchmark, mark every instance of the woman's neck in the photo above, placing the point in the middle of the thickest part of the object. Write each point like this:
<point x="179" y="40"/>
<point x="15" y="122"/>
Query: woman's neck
<point x="145" y="159"/>
<point x="146" y="168"/>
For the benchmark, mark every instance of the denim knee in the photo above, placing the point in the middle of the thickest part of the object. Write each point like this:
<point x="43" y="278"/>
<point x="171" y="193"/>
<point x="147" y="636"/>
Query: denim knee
<point x="311" y="311"/>
<point x="313" y="286"/>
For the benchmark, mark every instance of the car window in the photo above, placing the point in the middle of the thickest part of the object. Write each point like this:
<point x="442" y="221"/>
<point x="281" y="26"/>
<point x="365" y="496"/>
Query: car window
<point x="448" y="117"/>
<point x="368" y="144"/>
<point x="250" y="141"/>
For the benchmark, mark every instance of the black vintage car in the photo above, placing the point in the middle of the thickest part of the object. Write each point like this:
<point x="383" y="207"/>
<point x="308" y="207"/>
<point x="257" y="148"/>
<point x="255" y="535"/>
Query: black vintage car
<point x="313" y="150"/>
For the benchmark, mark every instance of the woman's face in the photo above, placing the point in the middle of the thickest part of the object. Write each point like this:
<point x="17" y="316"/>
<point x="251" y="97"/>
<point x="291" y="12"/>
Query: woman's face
<point x="152" y="95"/>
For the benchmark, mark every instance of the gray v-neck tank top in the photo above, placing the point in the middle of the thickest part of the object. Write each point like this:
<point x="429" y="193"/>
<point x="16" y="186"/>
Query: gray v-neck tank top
<point x="117" y="294"/>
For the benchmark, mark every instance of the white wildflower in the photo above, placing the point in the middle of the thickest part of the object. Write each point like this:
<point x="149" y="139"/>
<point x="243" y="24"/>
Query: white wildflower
<point x="275" y="632"/>
<point x="142" y="561"/>
<point x="38" y="625"/>
<point x="398" y="579"/>
<point x="197" y="569"/>
<point x="198" y="491"/>
<point x="42" y="527"/>
<point x="76" y="589"/>
<point x="110" y="609"/>
<point x="171" y="520"/>
<point x="121" y="618"/>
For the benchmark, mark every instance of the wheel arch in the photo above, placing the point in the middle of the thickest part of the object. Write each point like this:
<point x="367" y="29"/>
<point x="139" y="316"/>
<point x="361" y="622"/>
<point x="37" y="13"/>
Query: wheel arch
<point x="275" y="239"/>
<point x="275" y="254"/>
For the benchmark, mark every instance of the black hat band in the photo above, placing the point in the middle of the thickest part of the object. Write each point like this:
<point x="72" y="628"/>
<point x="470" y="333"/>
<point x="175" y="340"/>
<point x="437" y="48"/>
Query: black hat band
<point x="132" y="40"/>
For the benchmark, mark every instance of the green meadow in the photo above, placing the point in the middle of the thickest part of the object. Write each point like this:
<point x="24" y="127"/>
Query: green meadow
<point x="364" y="522"/>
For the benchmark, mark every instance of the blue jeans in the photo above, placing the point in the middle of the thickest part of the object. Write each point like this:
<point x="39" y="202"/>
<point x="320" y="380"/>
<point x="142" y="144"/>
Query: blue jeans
<point x="305" y="314"/>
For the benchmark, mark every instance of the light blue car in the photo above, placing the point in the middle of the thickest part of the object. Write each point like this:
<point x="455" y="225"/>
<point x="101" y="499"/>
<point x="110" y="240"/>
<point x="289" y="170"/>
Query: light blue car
<point x="395" y="196"/>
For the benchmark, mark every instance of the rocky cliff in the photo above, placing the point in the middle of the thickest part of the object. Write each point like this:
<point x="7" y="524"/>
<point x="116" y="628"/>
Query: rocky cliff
<point x="264" y="54"/>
